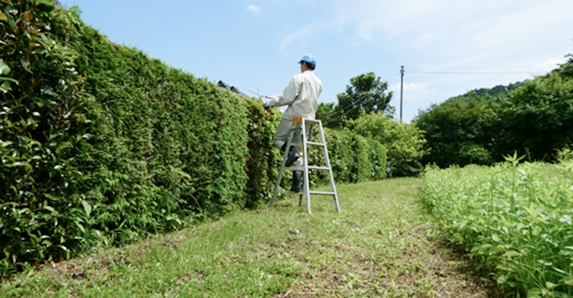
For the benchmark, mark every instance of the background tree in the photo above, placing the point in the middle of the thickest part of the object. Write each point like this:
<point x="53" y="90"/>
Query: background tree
<point x="367" y="92"/>
<point x="329" y="115"/>
<point x="458" y="131"/>
<point x="536" y="120"/>
<point x="533" y="118"/>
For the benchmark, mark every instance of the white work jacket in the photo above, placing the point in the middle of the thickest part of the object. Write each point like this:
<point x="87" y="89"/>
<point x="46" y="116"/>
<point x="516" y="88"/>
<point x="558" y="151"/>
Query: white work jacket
<point x="301" y="96"/>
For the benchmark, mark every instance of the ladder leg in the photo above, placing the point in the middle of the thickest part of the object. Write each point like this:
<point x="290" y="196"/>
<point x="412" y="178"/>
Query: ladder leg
<point x="330" y="175"/>
<point x="306" y="185"/>
<point x="285" y="156"/>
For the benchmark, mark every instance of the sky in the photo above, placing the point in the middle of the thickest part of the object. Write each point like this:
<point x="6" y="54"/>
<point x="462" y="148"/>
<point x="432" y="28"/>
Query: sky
<point x="447" y="47"/>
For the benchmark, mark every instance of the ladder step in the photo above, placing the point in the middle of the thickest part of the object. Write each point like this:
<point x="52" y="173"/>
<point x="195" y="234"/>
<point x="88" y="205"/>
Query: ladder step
<point x="322" y="193"/>
<point x="315" y="144"/>
<point x="311" y="192"/>
<point x="300" y="168"/>
<point x="296" y="168"/>
<point x="288" y="191"/>
<point x="318" y="168"/>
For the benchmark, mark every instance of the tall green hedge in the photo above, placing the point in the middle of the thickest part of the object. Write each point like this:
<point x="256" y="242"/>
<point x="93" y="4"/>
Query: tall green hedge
<point x="100" y="144"/>
<point x="45" y="122"/>
<point x="355" y="158"/>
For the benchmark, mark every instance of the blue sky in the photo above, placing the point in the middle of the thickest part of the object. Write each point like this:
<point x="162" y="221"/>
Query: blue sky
<point x="447" y="47"/>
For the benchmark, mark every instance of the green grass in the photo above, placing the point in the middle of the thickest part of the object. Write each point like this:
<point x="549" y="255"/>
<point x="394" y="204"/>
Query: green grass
<point x="382" y="244"/>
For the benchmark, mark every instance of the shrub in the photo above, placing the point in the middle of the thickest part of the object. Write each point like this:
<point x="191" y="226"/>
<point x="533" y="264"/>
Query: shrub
<point x="45" y="126"/>
<point x="404" y="142"/>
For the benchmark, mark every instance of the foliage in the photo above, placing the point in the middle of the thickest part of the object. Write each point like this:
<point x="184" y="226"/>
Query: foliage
<point x="263" y="160"/>
<point x="565" y="69"/>
<point x="514" y="221"/>
<point x="566" y="154"/>
<point x="533" y="118"/>
<point x="44" y="130"/>
<point x="329" y="115"/>
<point x="354" y="158"/>
<point x="102" y="144"/>
<point x="458" y="131"/>
<point x="536" y="119"/>
<point x="366" y="92"/>
<point x="404" y="142"/>
<point x="490" y="94"/>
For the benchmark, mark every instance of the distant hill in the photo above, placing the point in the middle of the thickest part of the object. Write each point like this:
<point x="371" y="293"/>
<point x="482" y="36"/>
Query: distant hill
<point x="565" y="69"/>
<point x="495" y="92"/>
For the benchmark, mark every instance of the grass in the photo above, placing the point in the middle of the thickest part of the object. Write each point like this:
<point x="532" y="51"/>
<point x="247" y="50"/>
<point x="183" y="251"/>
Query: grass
<point x="382" y="244"/>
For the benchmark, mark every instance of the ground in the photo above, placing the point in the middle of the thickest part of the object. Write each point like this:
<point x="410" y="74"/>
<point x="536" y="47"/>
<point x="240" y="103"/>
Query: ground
<point x="382" y="244"/>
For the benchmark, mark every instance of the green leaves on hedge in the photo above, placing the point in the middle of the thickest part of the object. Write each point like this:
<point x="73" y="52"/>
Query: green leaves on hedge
<point x="100" y="144"/>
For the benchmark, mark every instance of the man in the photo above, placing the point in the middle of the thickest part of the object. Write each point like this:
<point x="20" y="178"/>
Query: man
<point x="301" y="96"/>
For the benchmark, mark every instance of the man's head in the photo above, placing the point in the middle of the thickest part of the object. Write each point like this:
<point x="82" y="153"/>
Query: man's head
<point x="307" y="62"/>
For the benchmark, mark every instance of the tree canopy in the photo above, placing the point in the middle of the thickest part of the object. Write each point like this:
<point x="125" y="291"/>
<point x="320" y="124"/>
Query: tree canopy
<point x="368" y="92"/>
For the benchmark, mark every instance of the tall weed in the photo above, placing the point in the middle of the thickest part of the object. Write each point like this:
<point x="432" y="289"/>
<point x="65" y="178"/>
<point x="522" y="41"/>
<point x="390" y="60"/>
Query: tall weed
<point x="514" y="220"/>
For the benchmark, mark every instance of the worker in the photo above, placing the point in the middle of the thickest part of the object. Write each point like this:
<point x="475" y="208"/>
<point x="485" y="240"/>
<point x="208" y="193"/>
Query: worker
<point x="301" y="96"/>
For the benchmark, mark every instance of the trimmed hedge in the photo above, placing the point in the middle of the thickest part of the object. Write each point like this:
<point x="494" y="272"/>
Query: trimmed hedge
<point x="354" y="158"/>
<point x="102" y="145"/>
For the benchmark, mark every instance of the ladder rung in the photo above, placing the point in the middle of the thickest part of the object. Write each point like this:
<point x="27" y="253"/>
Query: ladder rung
<point x="300" y="168"/>
<point x="315" y="144"/>
<point x="318" y="168"/>
<point x="288" y="191"/>
<point x="322" y="193"/>
<point x="297" y="168"/>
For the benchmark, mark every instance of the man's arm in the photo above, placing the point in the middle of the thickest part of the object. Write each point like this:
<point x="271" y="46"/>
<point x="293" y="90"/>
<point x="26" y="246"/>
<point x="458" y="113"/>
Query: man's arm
<point x="289" y="94"/>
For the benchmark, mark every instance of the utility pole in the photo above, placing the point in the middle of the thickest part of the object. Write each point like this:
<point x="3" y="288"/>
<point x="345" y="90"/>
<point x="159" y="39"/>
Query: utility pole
<point x="401" y="91"/>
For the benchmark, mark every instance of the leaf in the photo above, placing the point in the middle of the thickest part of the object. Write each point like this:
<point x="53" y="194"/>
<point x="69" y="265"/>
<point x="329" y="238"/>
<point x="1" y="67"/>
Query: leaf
<point x="511" y="253"/>
<point x="3" y="17"/>
<point x="4" y="69"/>
<point x="48" y="4"/>
<point x="80" y="226"/>
<point x="5" y="87"/>
<point x="87" y="208"/>
<point x="534" y="293"/>
<point x="565" y="219"/>
<point x="51" y="197"/>
<point x="49" y="208"/>
<point x="28" y="16"/>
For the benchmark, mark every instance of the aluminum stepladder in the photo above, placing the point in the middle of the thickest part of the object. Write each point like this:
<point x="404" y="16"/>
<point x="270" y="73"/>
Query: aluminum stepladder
<point x="304" y="127"/>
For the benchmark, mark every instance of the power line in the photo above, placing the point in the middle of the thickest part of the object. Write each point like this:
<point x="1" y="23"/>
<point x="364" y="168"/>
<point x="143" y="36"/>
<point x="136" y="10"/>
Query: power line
<point x="469" y="73"/>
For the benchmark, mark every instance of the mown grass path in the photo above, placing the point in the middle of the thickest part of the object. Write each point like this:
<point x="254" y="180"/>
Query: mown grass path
<point x="382" y="244"/>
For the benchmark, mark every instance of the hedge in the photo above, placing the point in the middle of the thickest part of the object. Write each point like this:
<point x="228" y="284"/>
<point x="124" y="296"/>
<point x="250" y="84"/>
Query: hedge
<point x="102" y="145"/>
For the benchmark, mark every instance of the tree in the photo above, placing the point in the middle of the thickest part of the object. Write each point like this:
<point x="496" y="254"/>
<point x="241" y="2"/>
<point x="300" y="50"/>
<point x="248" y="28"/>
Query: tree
<point x="459" y="131"/>
<point x="328" y="114"/>
<point x="367" y="92"/>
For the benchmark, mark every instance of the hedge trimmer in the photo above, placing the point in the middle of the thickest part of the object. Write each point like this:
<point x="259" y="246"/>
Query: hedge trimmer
<point x="258" y="93"/>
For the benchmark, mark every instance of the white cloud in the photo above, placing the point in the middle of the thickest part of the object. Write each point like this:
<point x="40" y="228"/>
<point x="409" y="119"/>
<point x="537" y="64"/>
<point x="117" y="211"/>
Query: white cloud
<point x="413" y="92"/>
<point x="549" y="64"/>
<point x="456" y="29"/>
<point x="253" y="8"/>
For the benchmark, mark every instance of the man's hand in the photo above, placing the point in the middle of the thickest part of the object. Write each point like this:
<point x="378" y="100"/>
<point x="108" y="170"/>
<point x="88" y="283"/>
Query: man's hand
<point x="266" y="105"/>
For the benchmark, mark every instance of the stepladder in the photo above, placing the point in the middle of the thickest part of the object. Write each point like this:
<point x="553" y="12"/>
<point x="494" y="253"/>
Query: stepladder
<point x="302" y="134"/>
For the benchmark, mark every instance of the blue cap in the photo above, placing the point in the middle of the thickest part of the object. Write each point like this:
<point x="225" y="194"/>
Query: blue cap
<point x="308" y="58"/>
